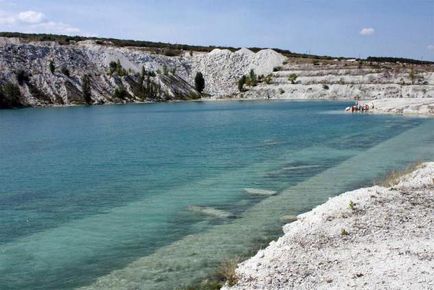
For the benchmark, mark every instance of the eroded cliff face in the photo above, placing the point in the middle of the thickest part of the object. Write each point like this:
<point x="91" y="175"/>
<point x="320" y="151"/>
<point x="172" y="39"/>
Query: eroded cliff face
<point x="50" y="74"/>
<point x="46" y="73"/>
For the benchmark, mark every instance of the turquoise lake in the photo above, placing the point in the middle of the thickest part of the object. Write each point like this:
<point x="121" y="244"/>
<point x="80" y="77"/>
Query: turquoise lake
<point x="101" y="197"/>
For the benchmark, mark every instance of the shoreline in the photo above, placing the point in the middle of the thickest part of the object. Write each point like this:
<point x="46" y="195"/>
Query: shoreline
<point x="402" y="106"/>
<point x="410" y="107"/>
<point x="369" y="238"/>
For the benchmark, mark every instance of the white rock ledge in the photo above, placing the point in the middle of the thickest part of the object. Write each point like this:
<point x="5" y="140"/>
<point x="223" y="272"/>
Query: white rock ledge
<point x="384" y="242"/>
<point x="405" y="106"/>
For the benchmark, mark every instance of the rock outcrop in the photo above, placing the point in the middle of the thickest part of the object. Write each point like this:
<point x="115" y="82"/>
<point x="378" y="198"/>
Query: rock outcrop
<point x="371" y="238"/>
<point x="405" y="106"/>
<point x="47" y="73"/>
<point x="44" y="73"/>
<point x="223" y="68"/>
<point x="345" y="79"/>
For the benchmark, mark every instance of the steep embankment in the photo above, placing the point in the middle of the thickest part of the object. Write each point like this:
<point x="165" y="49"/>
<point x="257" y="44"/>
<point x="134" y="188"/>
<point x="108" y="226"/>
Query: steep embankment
<point x="406" y="106"/>
<point x="389" y="87"/>
<point x="344" y="79"/>
<point x="370" y="238"/>
<point x="224" y="68"/>
<point x="47" y="73"/>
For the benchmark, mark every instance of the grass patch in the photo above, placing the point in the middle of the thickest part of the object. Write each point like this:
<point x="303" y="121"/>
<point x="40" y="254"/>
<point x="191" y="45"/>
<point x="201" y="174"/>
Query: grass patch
<point x="344" y="232"/>
<point x="393" y="177"/>
<point x="226" y="271"/>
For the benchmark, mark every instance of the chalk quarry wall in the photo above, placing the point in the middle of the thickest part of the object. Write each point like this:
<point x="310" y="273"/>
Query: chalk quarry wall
<point x="174" y="78"/>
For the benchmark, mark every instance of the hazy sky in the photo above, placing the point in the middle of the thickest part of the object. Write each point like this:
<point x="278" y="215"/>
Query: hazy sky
<point x="359" y="28"/>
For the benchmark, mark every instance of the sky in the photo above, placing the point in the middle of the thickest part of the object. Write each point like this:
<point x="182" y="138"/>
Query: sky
<point x="352" y="28"/>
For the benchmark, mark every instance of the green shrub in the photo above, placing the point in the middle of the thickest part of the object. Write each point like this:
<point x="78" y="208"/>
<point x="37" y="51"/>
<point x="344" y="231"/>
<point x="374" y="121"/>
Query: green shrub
<point x="10" y="96"/>
<point x="121" y="93"/>
<point x="241" y="83"/>
<point x="51" y="66"/>
<point x="145" y="88"/>
<point x="199" y="82"/>
<point x="268" y="79"/>
<point x="412" y="75"/>
<point x="85" y="88"/>
<point x="352" y="205"/>
<point x="292" y="78"/>
<point x="11" y="90"/>
<point x="22" y="77"/>
<point x="113" y="66"/>
<point x="65" y="71"/>
<point x="150" y="73"/>
<point x="252" y="78"/>
<point x="116" y="67"/>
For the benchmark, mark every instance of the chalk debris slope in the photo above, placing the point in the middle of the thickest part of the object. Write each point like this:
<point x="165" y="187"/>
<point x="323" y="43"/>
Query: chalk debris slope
<point x="370" y="238"/>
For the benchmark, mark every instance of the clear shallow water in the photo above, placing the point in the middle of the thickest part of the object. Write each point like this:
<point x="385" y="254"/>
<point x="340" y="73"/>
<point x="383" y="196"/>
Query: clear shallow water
<point x="85" y="191"/>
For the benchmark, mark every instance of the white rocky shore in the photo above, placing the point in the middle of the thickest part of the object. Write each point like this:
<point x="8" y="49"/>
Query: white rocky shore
<point x="370" y="238"/>
<point x="405" y="106"/>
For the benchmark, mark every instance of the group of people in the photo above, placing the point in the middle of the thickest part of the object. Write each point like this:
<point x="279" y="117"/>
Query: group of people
<point x="359" y="107"/>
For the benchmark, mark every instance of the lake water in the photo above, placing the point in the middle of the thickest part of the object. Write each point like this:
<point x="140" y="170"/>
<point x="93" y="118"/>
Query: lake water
<point x="111" y="196"/>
